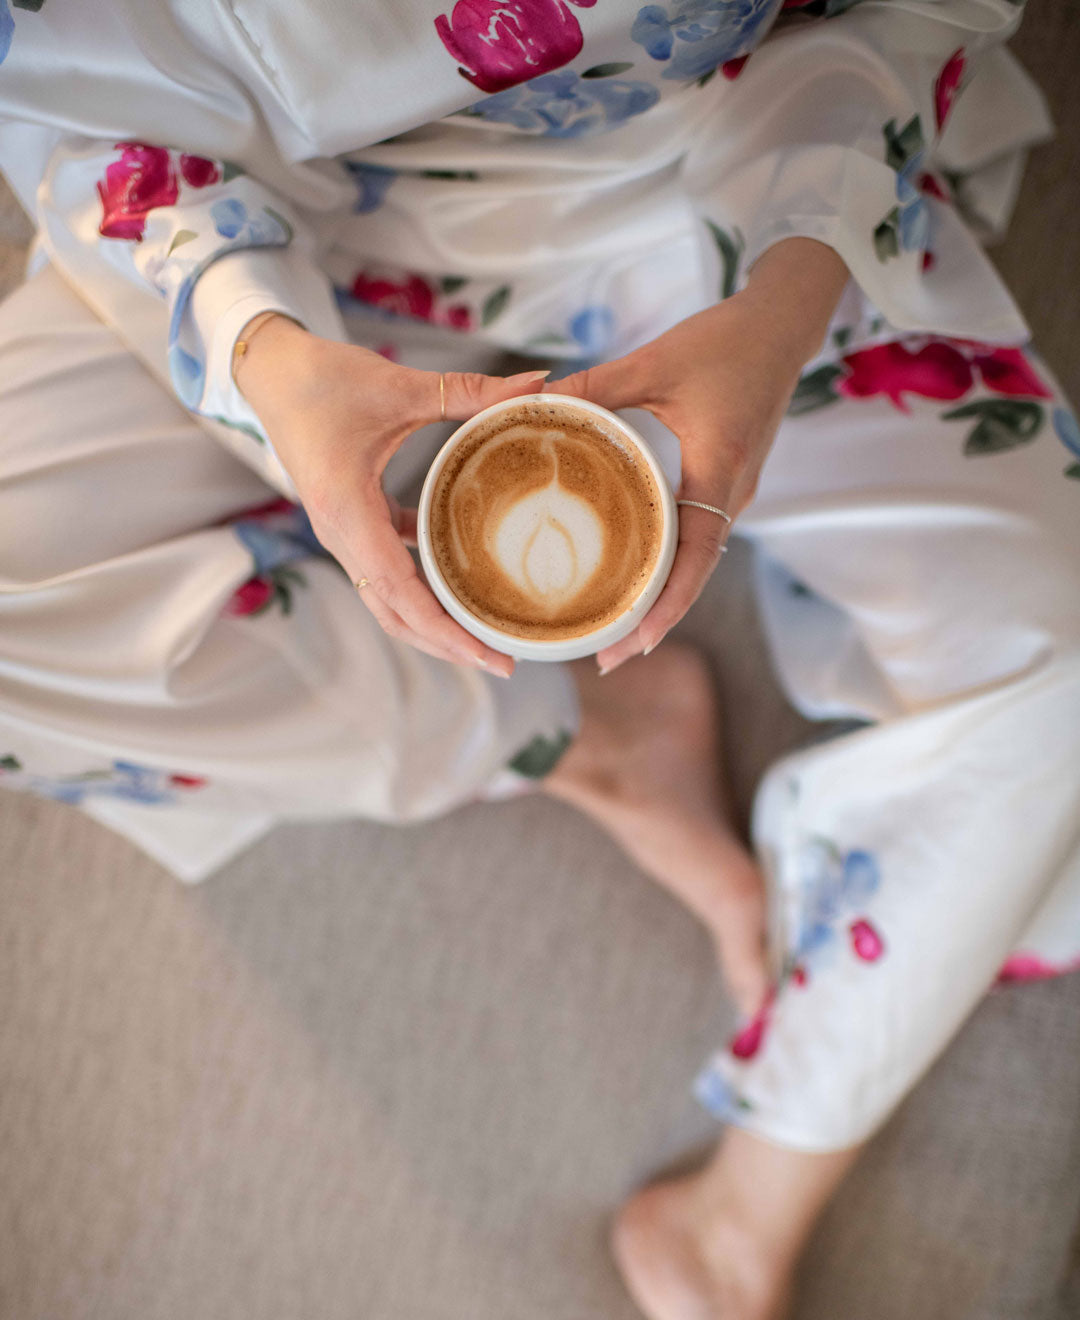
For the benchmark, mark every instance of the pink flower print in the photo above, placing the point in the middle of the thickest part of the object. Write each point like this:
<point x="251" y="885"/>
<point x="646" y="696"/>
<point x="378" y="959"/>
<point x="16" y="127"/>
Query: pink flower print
<point x="749" y="1039"/>
<point x="931" y="187"/>
<point x="800" y="976"/>
<point x="389" y="351"/>
<point x="505" y="42"/>
<point x="732" y="68"/>
<point x="198" y="171"/>
<point x="457" y="317"/>
<point x="1007" y="371"/>
<point x="140" y="180"/>
<point x="947" y="85"/>
<point x="252" y="597"/>
<point x="412" y="296"/>
<point x="937" y="371"/>
<point x="865" y="941"/>
<point x="1030" y="967"/>
<point x="187" y="781"/>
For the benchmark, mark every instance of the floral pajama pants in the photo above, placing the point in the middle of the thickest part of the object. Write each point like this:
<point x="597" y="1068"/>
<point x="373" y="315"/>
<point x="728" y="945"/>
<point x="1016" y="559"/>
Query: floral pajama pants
<point x="178" y="659"/>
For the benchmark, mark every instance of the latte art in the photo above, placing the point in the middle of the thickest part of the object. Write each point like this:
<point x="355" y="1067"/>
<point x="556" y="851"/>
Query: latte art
<point x="543" y="524"/>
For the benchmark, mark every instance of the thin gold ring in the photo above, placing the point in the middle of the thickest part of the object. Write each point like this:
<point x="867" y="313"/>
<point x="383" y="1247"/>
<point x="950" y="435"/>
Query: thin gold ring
<point x="442" y="397"/>
<point x="364" y="582"/>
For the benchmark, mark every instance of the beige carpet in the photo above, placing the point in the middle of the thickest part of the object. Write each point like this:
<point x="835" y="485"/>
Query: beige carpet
<point x="406" y="1075"/>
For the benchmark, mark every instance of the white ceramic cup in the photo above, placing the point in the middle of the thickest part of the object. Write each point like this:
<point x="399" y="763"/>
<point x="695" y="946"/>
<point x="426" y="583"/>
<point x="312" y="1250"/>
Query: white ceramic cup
<point x="570" y="648"/>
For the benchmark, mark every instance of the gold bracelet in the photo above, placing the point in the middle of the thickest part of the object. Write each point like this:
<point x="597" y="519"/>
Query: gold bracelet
<point x="251" y="330"/>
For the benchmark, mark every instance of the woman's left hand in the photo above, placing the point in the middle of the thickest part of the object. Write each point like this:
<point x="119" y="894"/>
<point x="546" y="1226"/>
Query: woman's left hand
<point x="721" y="381"/>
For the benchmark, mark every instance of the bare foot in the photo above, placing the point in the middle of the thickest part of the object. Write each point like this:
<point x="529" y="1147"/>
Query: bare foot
<point x="679" y="1261"/>
<point x="646" y="767"/>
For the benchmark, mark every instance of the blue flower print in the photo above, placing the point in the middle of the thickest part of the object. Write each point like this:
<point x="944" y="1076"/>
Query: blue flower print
<point x="233" y="221"/>
<point x="695" y="36"/>
<point x="175" y="278"/>
<point x="565" y="105"/>
<point x="372" y="183"/>
<point x="913" y="222"/>
<point x="1068" y="430"/>
<point x="861" y="878"/>
<point x="833" y="885"/>
<point x="132" y="783"/>
<point x="907" y="226"/>
<point x="592" y="328"/>
<point x="228" y="216"/>
<point x="715" y="1093"/>
<point x="7" y="30"/>
<point x="188" y="375"/>
<point x="278" y="538"/>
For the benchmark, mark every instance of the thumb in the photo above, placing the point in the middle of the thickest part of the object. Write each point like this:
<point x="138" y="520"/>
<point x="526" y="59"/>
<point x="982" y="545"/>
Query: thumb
<point x="466" y="393"/>
<point x="614" y="385"/>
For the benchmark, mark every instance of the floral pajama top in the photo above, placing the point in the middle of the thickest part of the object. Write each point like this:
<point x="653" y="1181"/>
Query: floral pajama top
<point x="562" y="177"/>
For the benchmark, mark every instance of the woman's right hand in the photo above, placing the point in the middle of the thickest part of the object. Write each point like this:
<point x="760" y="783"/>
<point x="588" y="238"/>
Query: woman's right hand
<point x="335" y="414"/>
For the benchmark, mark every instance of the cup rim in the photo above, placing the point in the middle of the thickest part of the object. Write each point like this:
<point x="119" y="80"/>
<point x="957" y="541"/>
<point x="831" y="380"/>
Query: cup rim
<point x="568" y="648"/>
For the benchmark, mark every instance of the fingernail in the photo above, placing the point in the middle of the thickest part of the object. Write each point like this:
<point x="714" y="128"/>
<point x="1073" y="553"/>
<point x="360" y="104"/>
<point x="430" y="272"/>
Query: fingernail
<point x="651" y="648"/>
<point x="537" y="375"/>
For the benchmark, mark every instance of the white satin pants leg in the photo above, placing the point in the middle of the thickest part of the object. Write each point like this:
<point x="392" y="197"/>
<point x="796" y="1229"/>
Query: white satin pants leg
<point x="923" y="574"/>
<point x="176" y="657"/>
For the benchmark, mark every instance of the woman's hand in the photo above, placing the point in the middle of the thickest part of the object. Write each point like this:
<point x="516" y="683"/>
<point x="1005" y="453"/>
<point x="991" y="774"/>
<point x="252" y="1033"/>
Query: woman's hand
<point x="335" y="414"/>
<point x="721" y="381"/>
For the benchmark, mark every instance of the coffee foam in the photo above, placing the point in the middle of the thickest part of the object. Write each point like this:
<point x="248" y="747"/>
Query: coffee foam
<point x="546" y="524"/>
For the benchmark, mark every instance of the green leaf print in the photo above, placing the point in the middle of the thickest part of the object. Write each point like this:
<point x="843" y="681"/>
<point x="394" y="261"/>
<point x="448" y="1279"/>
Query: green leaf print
<point x="607" y="70"/>
<point x="706" y="78"/>
<point x="452" y="283"/>
<point x="276" y="215"/>
<point x="549" y="340"/>
<point x="229" y="170"/>
<point x="816" y="389"/>
<point x="731" y="248"/>
<point x="1001" y="424"/>
<point x="470" y="176"/>
<point x="901" y="146"/>
<point x="495" y="304"/>
<point x="840" y="337"/>
<point x="246" y="427"/>
<point x="539" y="757"/>
<point x="284" y="579"/>
<point x="33" y="5"/>
<point x="1073" y="470"/>
<point x="10" y="762"/>
<point x="181" y="237"/>
<point x="887" y="237"/>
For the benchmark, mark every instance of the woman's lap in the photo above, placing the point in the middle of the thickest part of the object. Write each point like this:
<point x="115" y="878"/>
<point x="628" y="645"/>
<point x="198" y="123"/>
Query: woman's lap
<point x="172" y="637"/>
<point x="157" y="647"/>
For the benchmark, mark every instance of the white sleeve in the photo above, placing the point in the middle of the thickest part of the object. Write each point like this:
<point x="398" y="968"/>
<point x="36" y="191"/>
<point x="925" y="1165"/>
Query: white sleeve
<point x="178" y="253"/>
<point x="833" y="129"/>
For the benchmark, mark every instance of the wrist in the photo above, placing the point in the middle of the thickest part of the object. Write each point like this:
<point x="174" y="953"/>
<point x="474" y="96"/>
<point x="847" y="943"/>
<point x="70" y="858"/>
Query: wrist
<point x="796" y="284"/>
<point x="266" y="341"/>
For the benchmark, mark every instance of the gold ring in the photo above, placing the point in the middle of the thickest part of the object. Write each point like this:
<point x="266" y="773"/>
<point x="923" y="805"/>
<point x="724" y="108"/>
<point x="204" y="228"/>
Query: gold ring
<point x="442" y="397"/>
<point x="364" y="582"/>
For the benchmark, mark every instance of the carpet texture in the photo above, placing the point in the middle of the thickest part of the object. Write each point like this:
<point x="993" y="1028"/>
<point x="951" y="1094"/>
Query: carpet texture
<point x="408" y="1074"/>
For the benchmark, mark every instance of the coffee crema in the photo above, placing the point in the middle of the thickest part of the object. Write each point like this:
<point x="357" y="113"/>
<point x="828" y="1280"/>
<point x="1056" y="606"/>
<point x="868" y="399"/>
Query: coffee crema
<point x="544" y="524"/>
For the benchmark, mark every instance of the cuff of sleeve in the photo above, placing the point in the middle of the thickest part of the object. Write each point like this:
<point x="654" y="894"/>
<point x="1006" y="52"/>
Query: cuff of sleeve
<point x="226" y="297"/>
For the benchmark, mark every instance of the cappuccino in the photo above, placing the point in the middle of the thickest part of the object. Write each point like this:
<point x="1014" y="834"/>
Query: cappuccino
<point x="544" y="523"/>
